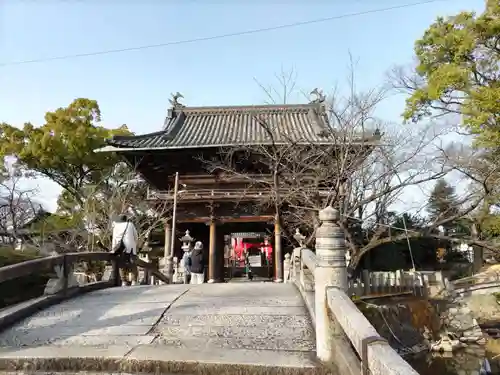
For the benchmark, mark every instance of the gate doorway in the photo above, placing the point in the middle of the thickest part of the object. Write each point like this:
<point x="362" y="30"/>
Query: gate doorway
<point x="248" y="252"/>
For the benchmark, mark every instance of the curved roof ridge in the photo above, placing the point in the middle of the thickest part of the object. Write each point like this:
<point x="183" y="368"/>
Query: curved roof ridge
<point x="246" y="108"/>
<point x="140" y="136"/>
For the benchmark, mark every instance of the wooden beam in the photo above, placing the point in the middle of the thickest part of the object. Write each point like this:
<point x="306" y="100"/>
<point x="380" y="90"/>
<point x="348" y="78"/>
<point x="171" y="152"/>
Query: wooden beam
<point x="229" y="219"/>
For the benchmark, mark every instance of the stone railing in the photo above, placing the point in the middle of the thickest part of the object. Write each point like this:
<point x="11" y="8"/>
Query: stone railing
<point x="384" y="283"/>
<point x="371" y="284"/>
<point x="344" y="336"/>
<point x="63" y="281"/>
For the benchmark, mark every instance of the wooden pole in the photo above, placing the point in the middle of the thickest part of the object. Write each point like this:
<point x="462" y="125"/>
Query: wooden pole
<point x="167" y="249"/>
<point x="174" y="213"/>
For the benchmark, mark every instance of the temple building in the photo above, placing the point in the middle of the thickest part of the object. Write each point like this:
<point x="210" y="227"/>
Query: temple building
<point x="213" y="203"/>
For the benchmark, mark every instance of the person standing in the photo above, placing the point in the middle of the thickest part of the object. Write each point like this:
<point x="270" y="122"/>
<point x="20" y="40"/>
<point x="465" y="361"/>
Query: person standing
<point x="124" y="244"/>
<point x="197" y="264"/>
<point x="267" y="250"/>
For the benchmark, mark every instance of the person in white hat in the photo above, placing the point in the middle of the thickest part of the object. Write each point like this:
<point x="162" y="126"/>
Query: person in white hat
<point x="197" y="264"/>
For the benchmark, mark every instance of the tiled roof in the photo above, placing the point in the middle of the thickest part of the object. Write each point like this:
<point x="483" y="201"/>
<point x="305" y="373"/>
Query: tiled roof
<point x="194" y="127"/>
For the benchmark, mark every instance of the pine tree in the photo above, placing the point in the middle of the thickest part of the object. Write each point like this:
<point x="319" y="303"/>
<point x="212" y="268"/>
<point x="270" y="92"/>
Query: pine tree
<point x="442" y="202"/>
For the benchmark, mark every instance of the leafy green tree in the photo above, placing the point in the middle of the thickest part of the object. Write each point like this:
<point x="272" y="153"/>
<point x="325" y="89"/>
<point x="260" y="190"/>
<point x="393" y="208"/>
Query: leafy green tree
<point x="458" y="72"/>
<point x="491" y="225"/>
<point x="62" y="149"/>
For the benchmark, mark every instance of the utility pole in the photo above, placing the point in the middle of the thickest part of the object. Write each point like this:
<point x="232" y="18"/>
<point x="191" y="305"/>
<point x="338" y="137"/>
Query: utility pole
<point x="174" y="213"/>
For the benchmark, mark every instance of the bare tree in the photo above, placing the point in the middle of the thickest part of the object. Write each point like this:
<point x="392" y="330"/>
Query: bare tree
<point x="362" y="168"/>
<point x="121" y="191"/>
<point x="18" y="207"/>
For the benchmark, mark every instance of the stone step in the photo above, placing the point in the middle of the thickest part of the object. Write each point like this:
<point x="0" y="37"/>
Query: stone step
<point x="155" y="359"/>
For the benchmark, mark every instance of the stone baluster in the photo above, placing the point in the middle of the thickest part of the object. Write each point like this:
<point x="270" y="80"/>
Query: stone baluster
<point x="296" y="255"/>
<point x="286" y="268"/>
<point x="182" y="270"/>
<point x="399" y="280"/>
<point x="330" y="272"/>
<point x="367" y="281"/>
<point x="65" y="278"/>
<point x="306" y="278"/>
<point x="169" y="268"/>
<point x="176" y="270"/>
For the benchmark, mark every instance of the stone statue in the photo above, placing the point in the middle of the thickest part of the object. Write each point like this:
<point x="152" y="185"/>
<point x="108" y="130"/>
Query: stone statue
<point x="175" y="100"/>
<point x="299" y="237"/>
<point x="320" y="97"/>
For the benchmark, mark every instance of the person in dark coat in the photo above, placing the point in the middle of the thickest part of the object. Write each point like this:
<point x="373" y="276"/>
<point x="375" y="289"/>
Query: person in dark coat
<point x="197" y="264"/>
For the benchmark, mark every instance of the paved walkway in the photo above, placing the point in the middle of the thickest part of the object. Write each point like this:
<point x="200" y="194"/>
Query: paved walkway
<point x="234" y="323"/>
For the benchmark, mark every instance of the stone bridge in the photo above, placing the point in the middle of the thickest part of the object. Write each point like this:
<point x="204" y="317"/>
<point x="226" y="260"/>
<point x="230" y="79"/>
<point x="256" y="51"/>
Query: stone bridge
<point x="234" y="323"/>
<point x="307" y="325"/>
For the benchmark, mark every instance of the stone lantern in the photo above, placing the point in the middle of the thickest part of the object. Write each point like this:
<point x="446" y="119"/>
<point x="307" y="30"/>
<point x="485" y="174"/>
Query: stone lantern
<point x="187" y="242"/>
<point x="187" y="245"/>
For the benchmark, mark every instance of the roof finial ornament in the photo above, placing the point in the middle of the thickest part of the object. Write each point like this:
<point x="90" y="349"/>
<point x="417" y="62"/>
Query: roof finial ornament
<point x="175" y="100"/>
<point x="320" y="97"/>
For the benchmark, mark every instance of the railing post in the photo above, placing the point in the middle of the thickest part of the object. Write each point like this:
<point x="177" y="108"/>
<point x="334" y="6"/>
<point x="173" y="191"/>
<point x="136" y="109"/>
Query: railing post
<point x="306" y="277"/>
<point x="286" y="268"/>
<point x="295" y="263"/>
<point x="330" y="271"/>
<point x="65" y="272"/>
<point x="115" y="263"/>
<point x="175" y="275"/>
<point x="170" y="269"/>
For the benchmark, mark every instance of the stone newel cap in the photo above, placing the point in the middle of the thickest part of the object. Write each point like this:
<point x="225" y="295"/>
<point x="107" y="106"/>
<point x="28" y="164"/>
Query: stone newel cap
<point x="329" y="214"/>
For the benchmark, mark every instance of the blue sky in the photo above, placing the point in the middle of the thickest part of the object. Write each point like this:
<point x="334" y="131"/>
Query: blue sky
<point x="133" y="88"/>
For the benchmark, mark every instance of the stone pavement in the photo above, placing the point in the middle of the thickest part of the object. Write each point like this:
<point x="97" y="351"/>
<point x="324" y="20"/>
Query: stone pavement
<point x="234" y="323"/>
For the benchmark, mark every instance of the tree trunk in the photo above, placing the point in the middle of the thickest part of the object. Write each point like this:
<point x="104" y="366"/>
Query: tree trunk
<point x="477" y="262"/>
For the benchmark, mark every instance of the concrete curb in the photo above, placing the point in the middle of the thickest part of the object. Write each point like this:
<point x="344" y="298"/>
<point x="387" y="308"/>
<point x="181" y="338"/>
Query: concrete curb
<point x="114" y="365"/>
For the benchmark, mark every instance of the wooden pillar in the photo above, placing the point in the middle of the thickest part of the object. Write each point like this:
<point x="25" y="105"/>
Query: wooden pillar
<point x="278" y="252"/>
<point x="212" y="256"/>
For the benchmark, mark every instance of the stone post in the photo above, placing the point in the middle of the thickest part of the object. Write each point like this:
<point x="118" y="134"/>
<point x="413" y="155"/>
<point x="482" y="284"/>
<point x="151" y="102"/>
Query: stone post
<point x="286" y="268"/>
<point x="296" y="255"/>
<point x="169" y="269"/>
<point x="366" y="278"/>
<point x="176" y="270"/>
<point x="330" y="271"/>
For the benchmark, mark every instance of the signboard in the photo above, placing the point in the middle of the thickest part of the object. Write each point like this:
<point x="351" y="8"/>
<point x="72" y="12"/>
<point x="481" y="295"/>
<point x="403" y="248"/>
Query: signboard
<point x="255" y="260"/>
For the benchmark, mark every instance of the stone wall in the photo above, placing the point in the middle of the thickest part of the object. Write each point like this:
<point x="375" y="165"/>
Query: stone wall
<point x="405" y="324"/>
